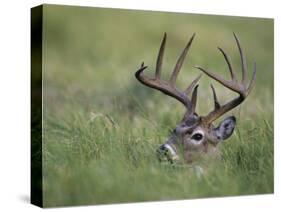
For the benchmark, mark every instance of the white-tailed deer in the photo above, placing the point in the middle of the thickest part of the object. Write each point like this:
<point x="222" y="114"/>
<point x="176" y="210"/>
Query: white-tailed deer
<point x="196" y="135"/>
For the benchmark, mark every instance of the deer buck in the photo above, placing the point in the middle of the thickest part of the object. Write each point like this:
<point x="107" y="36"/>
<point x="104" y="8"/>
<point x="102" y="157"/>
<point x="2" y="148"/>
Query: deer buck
<point x="196" y="135"/>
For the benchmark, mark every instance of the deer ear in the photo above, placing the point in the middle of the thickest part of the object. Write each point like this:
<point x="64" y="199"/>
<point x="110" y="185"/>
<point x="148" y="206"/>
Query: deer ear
<point x="225" y="128"/>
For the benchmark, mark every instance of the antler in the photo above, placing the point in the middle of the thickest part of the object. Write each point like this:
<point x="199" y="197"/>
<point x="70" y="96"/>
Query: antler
<point x="168" y="87"/>
<point x="239" y="87"/>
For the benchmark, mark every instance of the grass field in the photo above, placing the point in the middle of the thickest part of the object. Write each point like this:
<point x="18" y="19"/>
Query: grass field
<point x="102" y="127"/>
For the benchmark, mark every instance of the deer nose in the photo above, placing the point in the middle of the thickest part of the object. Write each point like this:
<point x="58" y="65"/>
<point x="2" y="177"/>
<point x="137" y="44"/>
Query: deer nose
<point x="163" y="148"/>
<point x="166" y="152"/>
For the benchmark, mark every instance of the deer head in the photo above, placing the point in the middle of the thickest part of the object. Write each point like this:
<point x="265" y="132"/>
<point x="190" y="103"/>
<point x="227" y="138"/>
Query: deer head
<point x="196" y="135"/>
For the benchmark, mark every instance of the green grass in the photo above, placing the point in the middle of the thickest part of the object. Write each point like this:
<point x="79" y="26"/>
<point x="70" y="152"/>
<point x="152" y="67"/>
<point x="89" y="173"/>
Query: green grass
<point x="102" y="127"/>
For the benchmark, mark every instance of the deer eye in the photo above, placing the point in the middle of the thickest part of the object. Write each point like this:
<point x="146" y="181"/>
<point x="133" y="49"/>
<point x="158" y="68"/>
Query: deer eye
<point x="197" y="136"/>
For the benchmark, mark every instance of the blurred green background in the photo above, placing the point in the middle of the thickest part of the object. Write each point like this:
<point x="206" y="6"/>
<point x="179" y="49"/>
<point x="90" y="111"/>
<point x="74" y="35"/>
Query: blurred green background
<point x="101" y="126"/>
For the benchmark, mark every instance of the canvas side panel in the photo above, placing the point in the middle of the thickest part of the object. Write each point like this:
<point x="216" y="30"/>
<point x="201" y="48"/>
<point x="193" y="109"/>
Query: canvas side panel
<point x="36" y="106"/>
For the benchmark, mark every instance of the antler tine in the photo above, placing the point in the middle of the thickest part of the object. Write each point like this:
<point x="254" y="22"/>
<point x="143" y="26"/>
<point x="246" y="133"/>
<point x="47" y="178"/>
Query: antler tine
<point x="233" y="77"/>
<point x="180" y="61"/>
<point x="191" y="86"/>
<point x="160" y="58"/>
<point x="243" y="59"/>
<point x="193" y="100"/>
<point x="251" y="85"/>
<point x="218" y="78"/>
<point x="216" y="102"/>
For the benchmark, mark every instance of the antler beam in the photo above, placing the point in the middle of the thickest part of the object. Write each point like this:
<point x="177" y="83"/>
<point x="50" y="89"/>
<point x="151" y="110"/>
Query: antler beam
<point x="239" y="87"/>
<point x="168" y="87"/>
